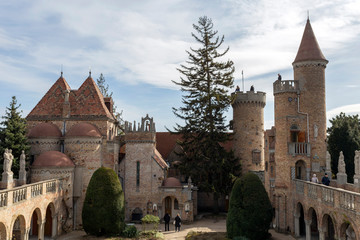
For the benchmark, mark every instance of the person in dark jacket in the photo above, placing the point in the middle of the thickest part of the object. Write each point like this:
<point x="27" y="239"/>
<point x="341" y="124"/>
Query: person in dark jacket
<point x="177" y="223"/>
<point x="325" y="180"/>
<point x="167" y="221"/>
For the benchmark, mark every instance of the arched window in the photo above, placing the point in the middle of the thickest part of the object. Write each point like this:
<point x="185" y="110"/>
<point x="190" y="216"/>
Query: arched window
<point x="176" y="204"/>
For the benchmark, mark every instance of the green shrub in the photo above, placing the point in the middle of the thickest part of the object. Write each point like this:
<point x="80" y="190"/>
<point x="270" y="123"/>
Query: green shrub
<point x="103" y="210"/>
<point x="130" y="232"/>
<point x="250" y="210"/>
<point x="150" y="219"/>
<point x="151" y="235"/>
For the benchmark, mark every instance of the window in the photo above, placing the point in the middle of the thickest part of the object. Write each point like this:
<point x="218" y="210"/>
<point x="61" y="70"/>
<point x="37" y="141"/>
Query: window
<point x="176" y="204"/>
<point x="256" y="156"/>
<point x="137" y="174"/>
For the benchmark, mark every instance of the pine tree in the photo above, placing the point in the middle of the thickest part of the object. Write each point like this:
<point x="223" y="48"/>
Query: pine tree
<point x="344" y="135"/>
<point x="205" y="81"/>
<point x="104" y="88"/>
<point x="13" y="134"/>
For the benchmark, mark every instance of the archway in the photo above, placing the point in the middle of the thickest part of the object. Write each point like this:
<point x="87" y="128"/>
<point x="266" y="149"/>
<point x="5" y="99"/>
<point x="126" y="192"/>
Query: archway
<point x="137" y="214"/>
<point x="35" y="219"/>
<point x="50" y="229"/>
<point x="168" y="205"/>
<point x="300" y="170"/>
<point x="328" y="227"/>
<point x="2" y="231"/>
<point x="347" y="232"/>
<point x="314" y="229"/>
<point x="299" y="221"/>
<point x="18" y="228"/>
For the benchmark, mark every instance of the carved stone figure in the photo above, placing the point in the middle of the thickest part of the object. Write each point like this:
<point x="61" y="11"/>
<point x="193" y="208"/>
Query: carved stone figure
<point x="8" y="159"/>
<point x="341" y="164"/>
<point x="315" y="131"/>
<point x="328" y="161"/>
<point x="22" y="161"/>
<point x="357" y="162"/>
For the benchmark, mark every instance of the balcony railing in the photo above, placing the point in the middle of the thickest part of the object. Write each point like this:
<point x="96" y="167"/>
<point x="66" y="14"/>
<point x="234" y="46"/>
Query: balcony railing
<point x="286" y="86"/>
<point x="9" y="197"/>
<point x="299" y="148"/>
<point x="335" y="197"/>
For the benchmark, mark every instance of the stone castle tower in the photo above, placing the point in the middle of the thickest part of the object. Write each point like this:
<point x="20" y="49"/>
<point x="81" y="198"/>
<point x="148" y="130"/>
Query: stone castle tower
<point x="300" y="126"/>
<point x="248" y="126"/>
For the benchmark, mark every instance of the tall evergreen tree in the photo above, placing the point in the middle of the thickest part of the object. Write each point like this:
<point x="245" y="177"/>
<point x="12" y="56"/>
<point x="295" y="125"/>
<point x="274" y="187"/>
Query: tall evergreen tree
<point x="104" y="88"/>
<point x="205" y="81"/>
<point x="344" y="135"/>
<point x="13" y="134"/>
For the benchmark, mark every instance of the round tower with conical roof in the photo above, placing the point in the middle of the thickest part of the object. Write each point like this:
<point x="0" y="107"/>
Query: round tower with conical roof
<point x="248" y="126"/>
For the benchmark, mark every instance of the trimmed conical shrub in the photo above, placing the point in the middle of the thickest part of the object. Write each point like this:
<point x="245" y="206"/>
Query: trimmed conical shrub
<point x="250" y="210"/>
<point x="103" y="210"/>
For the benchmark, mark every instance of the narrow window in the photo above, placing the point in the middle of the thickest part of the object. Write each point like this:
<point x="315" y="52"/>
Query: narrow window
<point x="137" y="174"/>
<point x="176" y="204"/>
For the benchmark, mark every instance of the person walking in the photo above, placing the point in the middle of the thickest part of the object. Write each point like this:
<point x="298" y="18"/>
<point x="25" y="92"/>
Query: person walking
<point x="177" y="223"/>
<point x="167" y="221"/>
<point x="314" y="179"/>
<point x="325" y="180"/>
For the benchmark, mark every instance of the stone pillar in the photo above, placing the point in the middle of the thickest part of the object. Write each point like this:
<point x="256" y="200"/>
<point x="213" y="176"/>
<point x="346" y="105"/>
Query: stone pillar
<point x="328" y="165"/>
<point x="357" y="169"/>
<point x="22" y="172"/>
<point x="7" y="181"/>
<point x="297" y="224"/>
<point x="308" y="229"/>
<point x="308" y="170"/>
<point x="321" y="234"/>
<point x="341" y="176"/>
<point x="54" y="226"/>
<point x="26" y="235"/>
<point x="41" y="230"/>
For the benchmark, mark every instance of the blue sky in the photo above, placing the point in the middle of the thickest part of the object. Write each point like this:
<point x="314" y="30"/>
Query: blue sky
<point x="138" y="45"/>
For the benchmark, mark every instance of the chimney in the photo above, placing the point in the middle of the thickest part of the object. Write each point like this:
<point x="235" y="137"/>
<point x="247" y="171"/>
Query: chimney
<point x="66" y="104"/>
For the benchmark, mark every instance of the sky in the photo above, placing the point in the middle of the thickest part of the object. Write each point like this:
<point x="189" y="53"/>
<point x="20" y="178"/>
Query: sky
<point x="137" y="46"/>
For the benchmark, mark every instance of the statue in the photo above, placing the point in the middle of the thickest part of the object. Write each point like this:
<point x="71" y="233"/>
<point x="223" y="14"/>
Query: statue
<point x="341" y="164"/>
<point x="357" y="162"/>
<point x="315" y="131"/>
<point x="22" y="161"/>
<point x="8" y="159"/>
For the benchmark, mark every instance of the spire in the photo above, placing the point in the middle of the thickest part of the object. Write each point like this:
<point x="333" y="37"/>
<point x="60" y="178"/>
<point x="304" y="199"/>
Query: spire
<point x="309" y="48"/>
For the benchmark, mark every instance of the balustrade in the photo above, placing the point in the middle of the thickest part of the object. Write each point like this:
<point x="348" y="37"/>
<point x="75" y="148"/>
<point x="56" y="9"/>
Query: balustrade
<point x="3" y="199"/>
<point x="36" y="190"/>
<point x="300" y="187"/>
<point x="299" y="148"/>
<point x="19" y="195"/>
<point x="347" y="201"/>
<point x="312" y="191"/>
<point x="286" y="86"/>
<point x="51" y="186"/>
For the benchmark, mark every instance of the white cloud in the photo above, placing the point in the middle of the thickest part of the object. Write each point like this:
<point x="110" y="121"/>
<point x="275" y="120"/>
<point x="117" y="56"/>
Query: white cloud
<point x="351" y="109"/>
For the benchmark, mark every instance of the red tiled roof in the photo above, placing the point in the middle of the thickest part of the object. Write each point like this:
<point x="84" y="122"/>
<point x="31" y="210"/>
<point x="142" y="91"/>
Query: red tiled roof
<point x="83" y="130"/>
<point x="159" y="159"/>
<point x="309" y="48"/>
<point x="166" y="142"/>
<point x="52" y="159"/>
<point x="44" y="129"/>
<point x="86" y="101"/>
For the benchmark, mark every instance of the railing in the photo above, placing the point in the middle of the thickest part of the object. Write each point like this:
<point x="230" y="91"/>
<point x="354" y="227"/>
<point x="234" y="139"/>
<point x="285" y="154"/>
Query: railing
<point x="12" y="196"/>
<point x="286" y="86"/>
<point x="299" y="148"/>
<point x="335" y="197"/>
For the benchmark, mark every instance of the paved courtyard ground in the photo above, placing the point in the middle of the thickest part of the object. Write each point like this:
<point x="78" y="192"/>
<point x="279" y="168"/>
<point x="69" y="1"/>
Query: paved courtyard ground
<point x="203" y="225"/>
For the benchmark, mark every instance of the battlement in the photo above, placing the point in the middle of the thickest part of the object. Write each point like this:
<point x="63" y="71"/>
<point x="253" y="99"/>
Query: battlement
<point x="147" y="125"/>
<point x="281" y="86"/>
<point x="249" y="97"/>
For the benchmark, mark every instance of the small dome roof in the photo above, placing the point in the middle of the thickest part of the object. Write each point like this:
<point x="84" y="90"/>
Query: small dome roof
<point x="53" y="159"/>
<point x="44" y="129"/>
<point x="83" y="130"/>
<point x="171" y="182"/>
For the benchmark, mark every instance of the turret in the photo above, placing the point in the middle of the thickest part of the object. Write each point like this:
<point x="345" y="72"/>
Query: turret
<point x="248" y="126"/>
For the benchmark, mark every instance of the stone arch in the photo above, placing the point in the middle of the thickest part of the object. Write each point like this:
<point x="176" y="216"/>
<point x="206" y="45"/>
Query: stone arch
<point x="299" y="217"/>
<point x="328" y="227"/>
<point x="136" y="214"/>
<point x="347" y="231"/>
<point x="35" y="222"/>
<point x="313" y="222"/>
<point x="3" y="232"/>
<point x="300" y="170"/>
<point x="171" y="205"/>
<point x="50" y="229"/>
<point x="18" y="228"/>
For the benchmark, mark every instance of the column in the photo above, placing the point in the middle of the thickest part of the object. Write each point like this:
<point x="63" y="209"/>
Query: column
<point x="308" y="170"/>
<point x="54" y="226"/>
<point x="26" y="234"/>
<point x="321" y="234"/>
<point x="308" y="229"/>
<point x="297" y="224"/>
<point x="41" y="224"/>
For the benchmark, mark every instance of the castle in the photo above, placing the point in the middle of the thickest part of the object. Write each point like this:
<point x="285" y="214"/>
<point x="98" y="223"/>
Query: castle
<point x="74" y="132"/>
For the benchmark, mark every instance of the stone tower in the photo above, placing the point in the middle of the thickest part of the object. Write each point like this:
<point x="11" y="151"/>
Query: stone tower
<point x="300" y="124"/>
<point x="248" y="126"/>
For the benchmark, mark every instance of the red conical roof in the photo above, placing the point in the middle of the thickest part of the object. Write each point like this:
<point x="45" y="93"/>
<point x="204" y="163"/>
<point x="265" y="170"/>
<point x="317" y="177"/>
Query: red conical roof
<point x="309" y="48"/>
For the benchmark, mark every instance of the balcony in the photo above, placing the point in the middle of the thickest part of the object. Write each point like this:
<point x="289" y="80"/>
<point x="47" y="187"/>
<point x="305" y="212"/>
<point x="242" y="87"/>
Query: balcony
<point x="286" y="86"/>
<point x="299" y="148"/>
